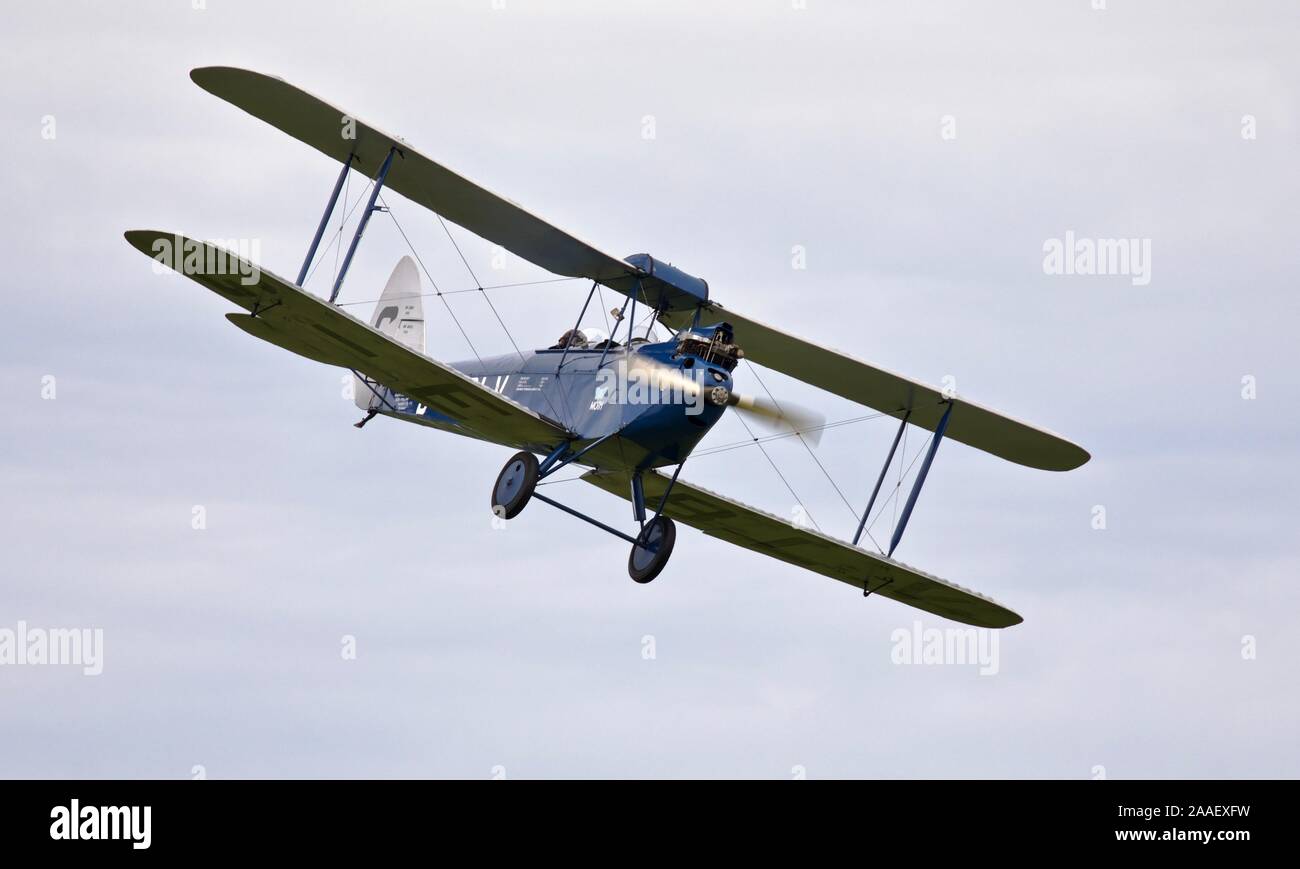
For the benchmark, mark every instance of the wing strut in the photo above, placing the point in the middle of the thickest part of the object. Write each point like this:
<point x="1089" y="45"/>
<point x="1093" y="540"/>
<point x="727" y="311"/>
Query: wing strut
<point x="365" y="219"/>
<point x="920" y="479"/>
<point x="569" y="341"/>
<point x="324" y="220"/>
<point x="889" y="460"/>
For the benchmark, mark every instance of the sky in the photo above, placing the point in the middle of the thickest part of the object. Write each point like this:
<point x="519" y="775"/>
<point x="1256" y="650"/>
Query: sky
<point x="884" y="179"/>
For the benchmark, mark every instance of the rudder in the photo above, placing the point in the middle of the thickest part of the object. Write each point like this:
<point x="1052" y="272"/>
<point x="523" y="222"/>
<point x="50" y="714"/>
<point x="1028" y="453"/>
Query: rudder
<point x="399" y="315"/>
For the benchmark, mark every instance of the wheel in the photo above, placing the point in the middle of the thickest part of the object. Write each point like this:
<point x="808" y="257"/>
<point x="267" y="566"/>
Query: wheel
<point x="514" y="485"/>
<point x="654" y="545"/>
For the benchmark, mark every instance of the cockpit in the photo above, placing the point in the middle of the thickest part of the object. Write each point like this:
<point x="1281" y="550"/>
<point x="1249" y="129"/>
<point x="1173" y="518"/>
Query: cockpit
<point x="576" y="339"/>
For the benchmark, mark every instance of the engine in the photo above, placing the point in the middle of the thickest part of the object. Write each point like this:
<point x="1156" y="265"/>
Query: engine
<point x="716" y="346"/>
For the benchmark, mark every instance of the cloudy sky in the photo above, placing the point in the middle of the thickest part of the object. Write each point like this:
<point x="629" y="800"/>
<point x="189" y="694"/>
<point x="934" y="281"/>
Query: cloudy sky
<point x="921" y="154"/>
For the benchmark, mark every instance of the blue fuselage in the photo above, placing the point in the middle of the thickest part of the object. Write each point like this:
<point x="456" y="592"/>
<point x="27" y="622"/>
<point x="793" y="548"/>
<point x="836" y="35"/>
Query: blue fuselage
<point x="595" y="393"/>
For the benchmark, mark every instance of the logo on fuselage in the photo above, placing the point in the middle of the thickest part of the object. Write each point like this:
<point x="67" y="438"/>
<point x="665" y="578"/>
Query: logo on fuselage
<point x="643" y="385"/>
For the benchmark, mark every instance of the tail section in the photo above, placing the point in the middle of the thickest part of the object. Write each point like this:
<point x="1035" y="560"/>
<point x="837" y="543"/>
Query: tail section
<point x="400" y="316"/>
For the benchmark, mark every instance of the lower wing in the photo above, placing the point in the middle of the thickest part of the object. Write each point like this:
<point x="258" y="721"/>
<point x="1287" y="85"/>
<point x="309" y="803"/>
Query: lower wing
<point x="762" y="532"/>
<point x="289" y="317"/>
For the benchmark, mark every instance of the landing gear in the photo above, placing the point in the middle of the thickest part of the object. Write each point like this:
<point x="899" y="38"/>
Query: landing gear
<point x="651" y="548"/>
<point x="650" y="552"/>
<point x="514" y="485"/>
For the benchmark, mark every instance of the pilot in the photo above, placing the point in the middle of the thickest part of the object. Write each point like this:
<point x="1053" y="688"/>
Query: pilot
<point x="571" y="338"/>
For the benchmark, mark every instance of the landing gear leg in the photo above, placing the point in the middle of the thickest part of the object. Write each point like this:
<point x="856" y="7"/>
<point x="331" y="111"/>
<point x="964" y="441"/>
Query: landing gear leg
<point x="514" y="485"/>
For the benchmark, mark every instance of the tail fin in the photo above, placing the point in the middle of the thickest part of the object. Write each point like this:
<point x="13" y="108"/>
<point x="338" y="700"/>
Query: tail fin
<point x="400" y="316"/>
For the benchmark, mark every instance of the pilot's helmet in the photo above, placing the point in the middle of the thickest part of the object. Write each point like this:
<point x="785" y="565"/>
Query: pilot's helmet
<point x="573" y="338"/>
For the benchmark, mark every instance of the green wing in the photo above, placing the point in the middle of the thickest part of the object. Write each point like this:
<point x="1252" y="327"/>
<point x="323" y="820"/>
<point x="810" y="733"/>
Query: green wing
<point x="293" y="319"/>
<point x="762" y="532"/>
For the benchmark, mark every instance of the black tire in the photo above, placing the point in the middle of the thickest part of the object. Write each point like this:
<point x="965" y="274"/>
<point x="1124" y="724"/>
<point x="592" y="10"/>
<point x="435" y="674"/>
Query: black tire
<point x="654" y="546"/>
<point x="514" y="485"/>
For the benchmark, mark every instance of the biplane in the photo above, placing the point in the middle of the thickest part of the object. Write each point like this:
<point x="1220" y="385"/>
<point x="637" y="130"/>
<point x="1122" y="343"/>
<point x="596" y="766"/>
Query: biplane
<point x="625" y="410"/>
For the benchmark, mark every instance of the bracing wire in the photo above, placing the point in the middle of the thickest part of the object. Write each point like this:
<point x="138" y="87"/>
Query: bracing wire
<point x="433" y="283"/>
<point x="904" y="467"/>
<point x="853" y="513"/>
<point x="480" y="288"/>
<point x="793" y="494"/>
<point x="893" y="495"/>
<point x="495" y="313"/>
<point x="337" y="241"/>
<point x="735" y="445"/>
<point x="338" y="234"/>
<point x="479" y="284"/>
<point x="468" y="290"/>
<point x="600" y="292"/>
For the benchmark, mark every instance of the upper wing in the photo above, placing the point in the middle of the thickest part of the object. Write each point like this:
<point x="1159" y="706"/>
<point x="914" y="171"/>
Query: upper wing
<point x="323" y="126"/>
<point x="428" y="183"/>
<point x="762" y="532"/>
<point x="291" y="318"/>
<point x="892" y="393"/>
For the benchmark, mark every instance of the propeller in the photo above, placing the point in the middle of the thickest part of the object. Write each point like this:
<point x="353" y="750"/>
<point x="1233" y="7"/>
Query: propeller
<point x="765" y="412"/>
<point x="775" y="416"/>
